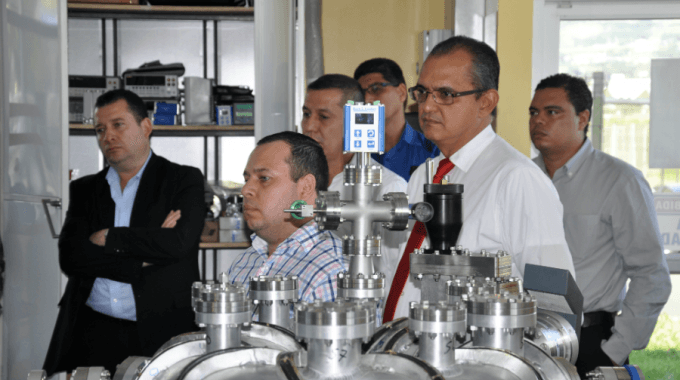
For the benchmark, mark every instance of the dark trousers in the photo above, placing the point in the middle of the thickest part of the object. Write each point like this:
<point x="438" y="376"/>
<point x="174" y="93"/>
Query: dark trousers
<point x="597" y="327"/>
<point x="102" y="341"/>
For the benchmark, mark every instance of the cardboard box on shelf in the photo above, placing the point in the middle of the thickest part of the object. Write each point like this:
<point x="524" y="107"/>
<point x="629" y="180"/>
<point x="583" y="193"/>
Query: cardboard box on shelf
<point x="232" y="223"/>
<point x="210" y="232"/>
<point x="234" y="236"/>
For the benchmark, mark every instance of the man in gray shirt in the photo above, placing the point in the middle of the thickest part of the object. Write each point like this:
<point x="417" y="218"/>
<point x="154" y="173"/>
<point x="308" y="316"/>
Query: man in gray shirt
<point x="610" y="225"/>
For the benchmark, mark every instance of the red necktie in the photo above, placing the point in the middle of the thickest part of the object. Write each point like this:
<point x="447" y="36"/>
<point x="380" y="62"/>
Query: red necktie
<point x="414" y="241"/>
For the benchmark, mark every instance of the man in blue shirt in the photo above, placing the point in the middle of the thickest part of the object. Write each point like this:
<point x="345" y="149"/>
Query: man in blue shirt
<point x="405" y="148"/>
<point x="129" y="246"/>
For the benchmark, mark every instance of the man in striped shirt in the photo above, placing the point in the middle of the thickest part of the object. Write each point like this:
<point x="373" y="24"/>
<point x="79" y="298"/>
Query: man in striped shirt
<point x="283" y="168"/>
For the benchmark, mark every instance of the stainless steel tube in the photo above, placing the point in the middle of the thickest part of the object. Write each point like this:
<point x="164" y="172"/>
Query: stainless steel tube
<point x="220" y="337"/>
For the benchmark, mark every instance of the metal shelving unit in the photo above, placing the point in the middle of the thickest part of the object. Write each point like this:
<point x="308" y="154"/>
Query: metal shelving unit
<point x="215" y="14"/>
<point x="178" y="130"/>
<point x="223" y="245"/>
<point x="163" y="12"/>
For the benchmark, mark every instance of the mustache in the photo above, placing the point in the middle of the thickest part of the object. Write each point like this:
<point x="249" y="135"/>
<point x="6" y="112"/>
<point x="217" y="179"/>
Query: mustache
<point x="429" y="118"/>
<point x="315" y="136"/>
<point x="248" y="205"/>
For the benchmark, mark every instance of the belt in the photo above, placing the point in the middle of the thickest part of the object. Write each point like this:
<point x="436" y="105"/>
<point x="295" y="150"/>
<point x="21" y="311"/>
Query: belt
<point x="597" y="318"/>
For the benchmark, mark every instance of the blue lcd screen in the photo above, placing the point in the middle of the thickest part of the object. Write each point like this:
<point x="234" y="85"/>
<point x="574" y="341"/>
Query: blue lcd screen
<point x="363" y="118"/>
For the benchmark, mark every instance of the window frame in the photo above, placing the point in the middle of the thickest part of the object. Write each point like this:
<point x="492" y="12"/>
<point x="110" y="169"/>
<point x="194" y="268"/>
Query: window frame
<point x="546" y="38"/>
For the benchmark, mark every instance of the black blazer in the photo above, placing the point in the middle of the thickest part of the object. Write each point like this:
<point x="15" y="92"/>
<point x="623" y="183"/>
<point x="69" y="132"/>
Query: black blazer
<point x="162" y="290"/>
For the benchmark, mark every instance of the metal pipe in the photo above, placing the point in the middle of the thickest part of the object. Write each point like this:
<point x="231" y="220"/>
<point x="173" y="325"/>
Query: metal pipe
<point x="429" y="170"/>
<point x="334" y="358"/>
<point x="104" y="47"/>
<point x="115" y="47"/>
<point x="362" y="195"/>
<point x="221" y="309"/>
<point x="275" y="313"/>
<point x="363" y="159"/>
<point x="437" y="349"/>
<point x="273" y="297"/>
<point x="221" y="337"/>
<point x="361" y="264"/>
<point x="379" y="211"/>
<point x="216" y="57"/>
<point x="205" y="48"/>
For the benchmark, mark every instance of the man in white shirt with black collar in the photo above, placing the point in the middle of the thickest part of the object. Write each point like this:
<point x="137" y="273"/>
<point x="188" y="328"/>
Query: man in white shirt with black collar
<point x="508" y="204"/>
<point x="323" y="120"/>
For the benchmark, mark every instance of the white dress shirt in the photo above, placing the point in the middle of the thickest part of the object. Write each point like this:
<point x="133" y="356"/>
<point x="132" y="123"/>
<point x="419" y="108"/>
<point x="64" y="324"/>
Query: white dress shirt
<point x="612" y="230"/>
<point x="508" y="204"/>
<point x="391" y="240"/>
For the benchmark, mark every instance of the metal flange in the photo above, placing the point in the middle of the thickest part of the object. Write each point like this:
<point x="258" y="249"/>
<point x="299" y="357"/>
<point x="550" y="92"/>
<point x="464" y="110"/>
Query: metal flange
<point x="328" y="210"/>
<point x="276" y="288"/>
<point x="369" y="246"/>
<point x="480" y="286"/>
<point x="220" y="304"/>
<point x="364" y="175"/>
<point x="554" y="335"/>
<point x="501" y="310"/>
<point x="400" y="211"/>
<point x="466" y="264"/>
<point x="90" y="373"/>
<point x="360" y="286"/>
<point x="615" y="373"/>
<point x="437" y="318"/>
<point x="335" y="320"/>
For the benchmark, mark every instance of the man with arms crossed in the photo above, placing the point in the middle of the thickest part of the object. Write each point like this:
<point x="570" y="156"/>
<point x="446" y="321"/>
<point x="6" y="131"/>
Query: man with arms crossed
<point x="405" y="148"/>
<point x="283" y="168"/>
<point x="323" y="120"/>
<point x="508" y="203"/>
<point x="610" y="225"/>
<point x="129" y="246"/>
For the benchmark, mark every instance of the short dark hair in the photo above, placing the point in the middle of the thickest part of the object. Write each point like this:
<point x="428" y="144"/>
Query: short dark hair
<point x="577" y="91"/>
<point x="306" y="157"/>
<point x="389" y="69"/>
<point x="486" y="68"/>
<point x="351" y="90"/>
<point x="134" y="102"/>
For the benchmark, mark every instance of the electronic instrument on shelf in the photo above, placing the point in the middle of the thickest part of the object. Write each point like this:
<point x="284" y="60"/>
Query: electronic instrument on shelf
<point x="83" y="91"/>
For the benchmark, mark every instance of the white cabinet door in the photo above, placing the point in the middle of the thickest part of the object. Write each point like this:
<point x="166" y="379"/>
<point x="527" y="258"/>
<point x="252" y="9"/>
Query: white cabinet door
<point x="32" y="288"/>
<point x="33" y="113"/>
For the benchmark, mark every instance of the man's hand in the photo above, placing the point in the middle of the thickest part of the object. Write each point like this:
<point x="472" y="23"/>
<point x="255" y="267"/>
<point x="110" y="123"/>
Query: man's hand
<point x="99" y="237"/>
<point x="169" y="222"/>
<point x="171" y="219"/>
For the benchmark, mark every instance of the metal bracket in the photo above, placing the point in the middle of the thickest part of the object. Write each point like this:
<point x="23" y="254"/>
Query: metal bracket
<point x="54" y="203"/>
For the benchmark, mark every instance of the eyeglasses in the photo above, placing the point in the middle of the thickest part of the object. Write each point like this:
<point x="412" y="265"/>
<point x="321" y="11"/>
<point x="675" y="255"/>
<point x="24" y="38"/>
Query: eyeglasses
<point x="378" y="87"/>
<point x="441" y="96"/>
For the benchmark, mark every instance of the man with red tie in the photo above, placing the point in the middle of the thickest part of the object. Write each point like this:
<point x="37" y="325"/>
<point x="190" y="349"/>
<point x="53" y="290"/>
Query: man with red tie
<point x="508" y="203"/>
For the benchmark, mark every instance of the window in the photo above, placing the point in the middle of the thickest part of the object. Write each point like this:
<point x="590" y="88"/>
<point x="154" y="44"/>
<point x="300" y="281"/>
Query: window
<point x="622" y="50"/>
